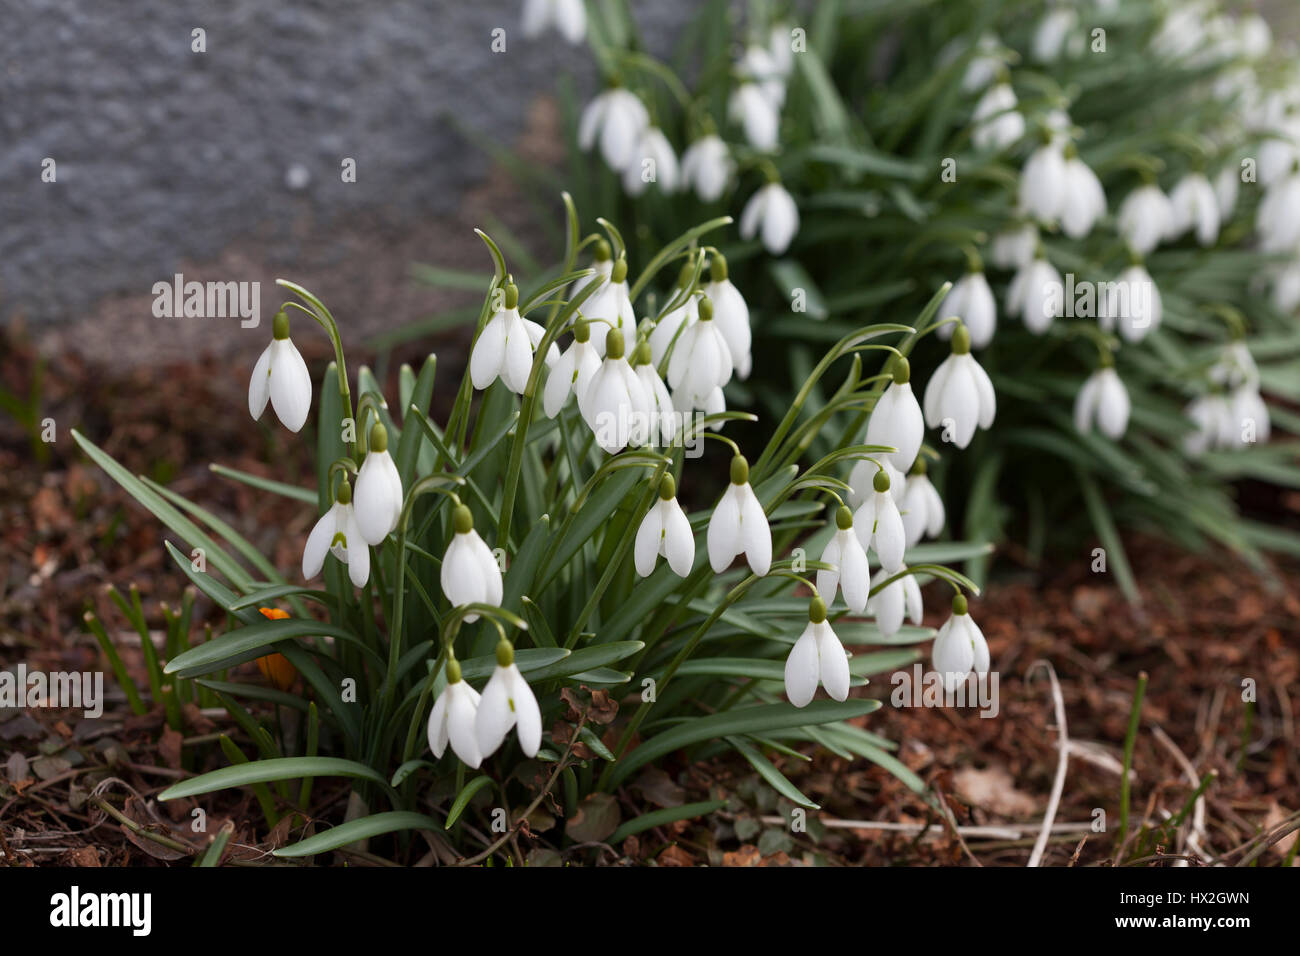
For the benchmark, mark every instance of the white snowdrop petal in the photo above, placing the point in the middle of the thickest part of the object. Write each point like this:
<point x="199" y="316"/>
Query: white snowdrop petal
<point x="890" y="539"/>
<point x="290" y="385"/>
<point x="679" y="540"/>
<point x="437" y="727"/>
<point x="495" y="717"/>
<point x="485" y="360"/>
<point x="828" y="581"/>
<point x="755" y="533"/>
<point x="834" y="662"/>
<point x="461" y="712"/>
<point x="723" y="537"/>
<point x="318" y="543"/>
<point x="259" y="385"/>
<point x="803" y="669"/>
<point x="528" y="715"/>
<point x="645" y="550"/>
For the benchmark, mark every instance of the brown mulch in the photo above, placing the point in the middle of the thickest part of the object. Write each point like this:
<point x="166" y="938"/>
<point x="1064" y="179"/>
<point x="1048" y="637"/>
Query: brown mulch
<point x="1207" y="624"/>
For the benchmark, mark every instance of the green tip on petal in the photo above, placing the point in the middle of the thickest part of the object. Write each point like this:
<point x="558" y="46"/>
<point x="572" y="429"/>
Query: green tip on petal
<point x="512" y="294"/>
<point x="462" y="519"/>
<point x="378" y="437"/>
<point x="902" y="371"/>
<point x="844" y="518"/>
<point x="280" y="325"/>
<point x="706" y="308"/>
<point x="881" y="481"/>
<point x="739" y="470"/>
<point x="505" y="653"/>
<point x="619" y="272"/>
<point x="816" y="610"/>
<point x="667" y="488"/>
<point x="959" y="604"/>
<point x="718" y="269"/>
<point x="344" y="495"/>
<point x="961" y="340"/>
<point x="602" y="251"/>
<point x="453" y="671"/>
<point x="614" y="344"/>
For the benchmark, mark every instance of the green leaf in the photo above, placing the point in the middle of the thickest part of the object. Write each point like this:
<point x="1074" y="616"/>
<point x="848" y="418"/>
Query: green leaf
<point x="464" y="797"/>
<point x="659" y="818"/>
<point x="587" y="658"/>
<point x="360" y="829"/>
<point x="775" y="778"/>
<point x="263" y="771"/>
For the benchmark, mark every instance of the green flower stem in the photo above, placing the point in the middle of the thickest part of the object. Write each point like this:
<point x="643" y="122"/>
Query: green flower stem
<point x="323" y="316"/>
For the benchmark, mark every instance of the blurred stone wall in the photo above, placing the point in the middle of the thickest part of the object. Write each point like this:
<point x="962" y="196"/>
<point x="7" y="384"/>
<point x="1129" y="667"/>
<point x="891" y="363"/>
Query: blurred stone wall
<point x="227" y="163"/>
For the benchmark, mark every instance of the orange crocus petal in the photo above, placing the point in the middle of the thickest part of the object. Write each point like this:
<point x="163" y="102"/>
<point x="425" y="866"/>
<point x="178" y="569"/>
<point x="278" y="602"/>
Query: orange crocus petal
<point x="277" y="669"/>
<point x="273" y="613"/>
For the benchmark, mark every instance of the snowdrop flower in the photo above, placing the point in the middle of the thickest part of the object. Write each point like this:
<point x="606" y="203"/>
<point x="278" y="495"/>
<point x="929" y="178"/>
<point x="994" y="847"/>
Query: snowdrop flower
<point x="739" y="525"/>
<point x="1103" y="401"/>
<point x="613" y="303"/>
<point x="281" y="377"/>
<point x="879" y="525"/>
<point x="780" y="44"/>
<point x="851" y="574"/>
<point x="896" y="600"/>
<point x="1043" y="183"/>
<point x="817" y="657"/>
<point x="566" y="17"/>
<point x="504" y="349"/>
<point x="617" y="117"/>
<point x="771" y="214"/>
<point x="1250" y="419"/>
<point x="377" y="501"/>
<point x="761" y="67"/>
<point x="1145" y="218"/>
<point x="1036" y="294"/>
<point x="331" y="535"/>
<point x="757" y="116"/>
<point x="453" y="719"/>
<point x="1235" y="367"/>
<point x="508" y="704"/>
<point x="1084" y="201"/>
<point x="959" y="395"/>
<point x="971" y="300"/>
<point x="1277" y="157"/>
<point x="1254" y="37"/>
<point x="1212" y="423"/>
<point x="470" y="572"/>
<point x="707" y="167"/>
<point x="602" y="263"/>
<point x="1014" y="247"/>
<point x="996" y="123"/>
<point x="653" y="162"/>
<point x="665" y="331"/>
<point x="959" y="647"/>
<point x="616" y="407"/>
<point x="700" y="361"/>
<point x="1133" y="302"/>
<point x="1286" y="288"/>
<point x="1227" y="185"/>
<point x="862" y="479"/>
<point x="1052" y="33"/>
<point x="1194" y="206"/>
<point x="665" y="530"/>
<point x="572" y="373"/>
<point x="1278" y="220"/>
<point x="984" y="65"/>
<point x="921" y="507"/>
<point x="896" y="420"/>
<point x="731" y="313"/>
<point x="663" y="415"/>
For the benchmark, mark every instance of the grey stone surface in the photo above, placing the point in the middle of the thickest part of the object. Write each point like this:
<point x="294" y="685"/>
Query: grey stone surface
<point x="166" y="156"/>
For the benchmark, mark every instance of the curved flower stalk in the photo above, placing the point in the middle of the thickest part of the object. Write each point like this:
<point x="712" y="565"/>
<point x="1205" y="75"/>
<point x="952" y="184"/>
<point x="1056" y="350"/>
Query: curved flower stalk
<point x="817" y="657"/>
<point x="470" y="573"/>
<point x="1103" y="401"/>
<point x="772" y="215"/>
<point x="896" y="421"/>
<point x="971" y="300"/>
<point x="572" y="372"/>
<point x="707" y="167"/>
<point x="731" y="313"/>
<point x="377" y="502"/>
<point x="700" y="362"/>
<point x="959" y="647"/>
<point x="665" y="532"/>
<point x="849" y="571"/>
<point x="507" y="703"/>
<point x="739" y="525"/>
<point x="959" y="394"/>
<point x="281" y="378"/>
<point x="616" y="408"/>
<point x="454" y="719"/>
<point x="921" y="507"/>
<point x="879" y="525"/>
<point x="331" y="535"/>
<point x="568" y="18"/>
<point x="616" y="118"/>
